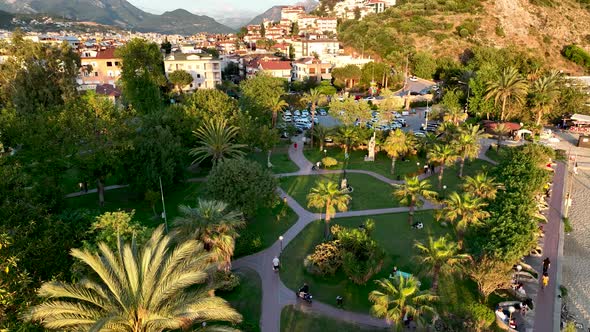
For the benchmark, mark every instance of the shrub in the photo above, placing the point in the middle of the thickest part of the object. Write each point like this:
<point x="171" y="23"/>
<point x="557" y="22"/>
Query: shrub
<point x="329" y="162"/>
<point x="480" y="315"/>
<point x="243" y="184"/>
<point x="567" y="227"/>
<point x="463" y="33"/>
<point x="247" y="243"/>
<point x="500" y="31"/>
<point x="325" y="259"/>
<point x="360" y="271"/>
<point x="577" y="55"/>
<point x="227" y="280"/>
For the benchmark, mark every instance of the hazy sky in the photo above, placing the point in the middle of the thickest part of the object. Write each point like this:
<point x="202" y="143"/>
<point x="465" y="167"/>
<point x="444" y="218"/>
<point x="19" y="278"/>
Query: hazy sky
<point x="216" y="8"/>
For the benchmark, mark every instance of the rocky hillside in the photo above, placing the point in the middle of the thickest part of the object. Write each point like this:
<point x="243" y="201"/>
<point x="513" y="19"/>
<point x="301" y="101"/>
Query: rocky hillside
<point x="448" y="29"/>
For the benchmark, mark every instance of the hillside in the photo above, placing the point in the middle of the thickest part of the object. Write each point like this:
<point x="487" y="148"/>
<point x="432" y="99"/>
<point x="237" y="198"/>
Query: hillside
<point x="272" y="14"/>
<point x="448" y="29"/>
<point x="119" y="13"/>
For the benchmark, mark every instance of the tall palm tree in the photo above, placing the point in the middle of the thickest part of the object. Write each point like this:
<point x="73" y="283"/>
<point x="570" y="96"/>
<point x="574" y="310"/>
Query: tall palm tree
<point x="314" y="97"/>
<point x="443" y="154"/>
<point x="212" y="223"/>
<point x="321" y="133"/>
<point x="467" y="144"/>
<point x="397" y="144"/>
<point x="276" y="105"/>
<point x="454" y="115"/>
<point x="440" y="256"/>
<point x="544" y="94"/>
<point x="215" y="140"/>
<point x="409" y="194"/>
<point x="348" y="136"/>
<point x="501" y="130"/>
<point x="466" y="210"/>
<point x="510" y="88"/>
<point x="396" y="298"/>
<point x="327" y="195"/>
<point x="482" y="186"/>
<point x="161" y="287"/>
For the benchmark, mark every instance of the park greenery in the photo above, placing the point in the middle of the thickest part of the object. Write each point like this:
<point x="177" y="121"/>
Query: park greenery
<point x="214" y="158"/>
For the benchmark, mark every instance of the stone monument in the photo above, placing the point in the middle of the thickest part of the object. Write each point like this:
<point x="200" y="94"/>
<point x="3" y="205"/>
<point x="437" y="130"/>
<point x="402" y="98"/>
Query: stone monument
<point x="371" y="148"/>
<point x="343" y="184"/>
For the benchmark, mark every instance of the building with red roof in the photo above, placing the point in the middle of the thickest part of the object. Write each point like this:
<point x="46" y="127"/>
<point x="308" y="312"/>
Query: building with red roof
<point x="99" y="67"/>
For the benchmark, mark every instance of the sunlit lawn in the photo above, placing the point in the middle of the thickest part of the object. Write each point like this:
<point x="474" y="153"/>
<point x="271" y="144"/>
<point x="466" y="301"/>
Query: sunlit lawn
<point x="368" y="192"/>
<point x="293" y="320"/>
<point x="381" y="165"/>
<point x="392" y="232"/>
<point x="264" y="228"/>
<point x="451" y="177"/>
<point x="279" y="159"/>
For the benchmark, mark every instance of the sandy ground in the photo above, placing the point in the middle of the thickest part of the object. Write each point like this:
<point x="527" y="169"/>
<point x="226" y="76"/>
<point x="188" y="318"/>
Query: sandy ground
<point x="576" y="251"/>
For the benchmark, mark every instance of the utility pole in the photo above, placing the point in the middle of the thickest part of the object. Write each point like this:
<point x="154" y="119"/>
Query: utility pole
<point x="163" y="206"/>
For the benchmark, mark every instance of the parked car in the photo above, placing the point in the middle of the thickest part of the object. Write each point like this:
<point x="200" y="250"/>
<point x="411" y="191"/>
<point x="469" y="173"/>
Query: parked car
<point x="419" y="134"/>
<point x="305" y="113"/>
<point x="297" y="113"/>
<point x="287" y="118"/>
<point x="316" y="120"/>
<point x="287" y="112"/>
<point x="413" y="78"/>
<point x="322" y="112"/>
<point x="370" y="98"/>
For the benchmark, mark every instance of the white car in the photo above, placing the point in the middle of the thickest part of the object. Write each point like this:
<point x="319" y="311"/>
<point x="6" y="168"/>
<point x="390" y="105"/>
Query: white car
<point x="287" y="112"/>
<point x="413" y="78"/>
<point x="419" y="134"/>
<point x="370" y="98"/>
<point x="322" y="112"/>
<point x="397" y="115"/>
<point x="305" y="113"/>
<point x="296" y="113"/>
<point x="316" y="120"/>
<point x="287" y="118"/>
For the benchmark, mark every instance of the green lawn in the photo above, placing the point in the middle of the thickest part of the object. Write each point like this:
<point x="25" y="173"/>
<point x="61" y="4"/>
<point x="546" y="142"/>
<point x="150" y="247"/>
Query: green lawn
<point x="392" y="232"/>
<point x="496" y="155"/>
<point x="279" y="159"/>
<point x="246" y="299"/>
<point x="369" y="193"/>
<point x="451" y="175"/>
<point x="293" y="320"/>
<point x="261" y="231"/>
<point x="381" y="165"/>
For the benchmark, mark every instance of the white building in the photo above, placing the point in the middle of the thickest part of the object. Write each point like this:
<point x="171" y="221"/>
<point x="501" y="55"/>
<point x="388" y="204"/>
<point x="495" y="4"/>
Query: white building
<point x="205" y="70"/>
<point x="319" y="47"/>
<point x="345" y="60"/>
<point x="292" y="13"/>
<point x="326" y="24"/>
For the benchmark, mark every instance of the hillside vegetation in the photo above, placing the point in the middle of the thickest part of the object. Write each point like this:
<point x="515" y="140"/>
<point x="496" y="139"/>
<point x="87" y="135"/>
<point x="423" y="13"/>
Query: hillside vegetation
<point x="449" y="27"/>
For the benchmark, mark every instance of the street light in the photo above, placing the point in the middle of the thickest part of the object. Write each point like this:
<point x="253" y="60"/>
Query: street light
<point x="444" y="190"/>
<point x="281" y="240"/>
<point x="511" y="309"/>
<point x="418" y="165"/>
<point x="518" y="269"/>
<point x="325" y="152"/>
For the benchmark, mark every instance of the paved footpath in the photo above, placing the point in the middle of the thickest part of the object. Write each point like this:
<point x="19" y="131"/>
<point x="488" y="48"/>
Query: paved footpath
<point x="547" y="310"/>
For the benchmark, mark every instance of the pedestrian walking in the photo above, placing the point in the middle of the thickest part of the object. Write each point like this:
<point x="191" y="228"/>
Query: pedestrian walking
<point x="546" y="265"/>
<point x="426" y="169"/>
<point x="431" y="166"/>
<point x="295" y="146"/>
<point x="339" y="301"/>
<point x="545" y="280"/>
<point x="276" y="264"/>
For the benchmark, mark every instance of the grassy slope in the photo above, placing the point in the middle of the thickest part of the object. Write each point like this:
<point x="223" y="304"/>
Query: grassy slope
<point x="293" y="320"/>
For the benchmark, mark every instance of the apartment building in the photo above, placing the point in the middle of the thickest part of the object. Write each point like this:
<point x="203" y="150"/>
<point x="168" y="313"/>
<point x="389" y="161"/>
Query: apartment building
<point x="292" y="13"/>
<point x="205" y="70"/>
<point x="328" y="24"/>
<point x="311" y="47"/>
<point x="99" y="67"/>
<point x="281" y="69"/>
<point x="313" y="68"/>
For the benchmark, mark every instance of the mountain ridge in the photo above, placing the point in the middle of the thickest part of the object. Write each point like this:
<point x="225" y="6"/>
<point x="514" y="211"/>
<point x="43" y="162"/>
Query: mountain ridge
<point x="119" y="13"/>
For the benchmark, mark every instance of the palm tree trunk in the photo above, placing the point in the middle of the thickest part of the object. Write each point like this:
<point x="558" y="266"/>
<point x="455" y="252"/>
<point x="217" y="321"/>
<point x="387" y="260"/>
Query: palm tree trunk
<point x="411" y="212"/>
<point x="460" y="236"/>
<point x="539" y="116"/>
<point x="274" y="119"/>
<point x="268" y="157"/>
<point x="327" y="221"/>
<point x="461" y="167"/>
<point x="321" y="144"/>
<point x="440" y="176"/>
<point x="503" y="109"/>
<point x="100" y="190"/>
<point x="312" y="123"/>
<point x="392" y="165"/>
<point x="435" y="277"/>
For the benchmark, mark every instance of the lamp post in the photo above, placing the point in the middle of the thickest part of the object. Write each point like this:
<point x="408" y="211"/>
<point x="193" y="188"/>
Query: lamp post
<point x="518" y="269"/>
<point x="444" y="195"/>
<point x="511" y="309"/>
<point x="281" y="241"/>
<point x="325" y="152"/>
<point x="418" y="165"/>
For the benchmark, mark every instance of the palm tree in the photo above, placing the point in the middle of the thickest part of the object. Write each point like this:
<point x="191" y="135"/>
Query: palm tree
<point x="545" y="93"/>
<point x="511" y="87"/>
<point x="396" y="298"/>
<point x="314" y="97"/>
<point x="212" y="223"/>
<point x="501" y="130"/>
<point x="321" y="133"/>
<point x="440" y="256"/>
<point x="443" y="154"/>
<point x="216" y="141"/>
<point x="327" y="195"/>
<point x="482" y="186"/>
<point x="410" y="191"/>
<point x="467" y="210"/>
<point x="454" y="115"/>
<point x="276" y="105"/>
<point x="348" y="136"/>
<point x="162" y="287"/>
<point x="467" y="144"/>
<point x="397" y="144"/>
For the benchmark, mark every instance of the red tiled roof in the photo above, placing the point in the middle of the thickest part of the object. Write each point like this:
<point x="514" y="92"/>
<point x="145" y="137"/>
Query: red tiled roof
<point x="275" y="65"/>
<point x="108" y="90"/>
<point x="108" y="53"/>
<point x="492" y="125"/>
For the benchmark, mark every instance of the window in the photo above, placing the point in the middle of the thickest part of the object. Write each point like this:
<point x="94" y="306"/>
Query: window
<point x="191" y="85"/>
<point x="110" y="73"/>
<point x="198" y="75"/>
<point x="312" y="70"/>
<point x="109" y="63"/>
<point x="117" y="63"/>
<point x="323" y="70"/>
<point x="95" y="73"/>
